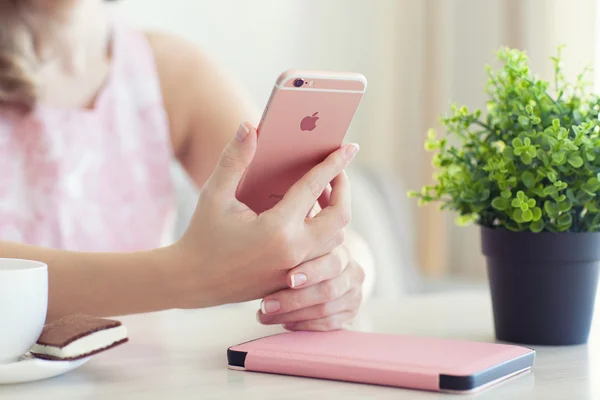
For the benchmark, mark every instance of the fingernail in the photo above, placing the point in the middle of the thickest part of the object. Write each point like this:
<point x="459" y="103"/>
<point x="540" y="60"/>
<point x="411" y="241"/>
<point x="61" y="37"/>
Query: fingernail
<point x="242" y="133"/>
<point x="269" y="306"/>
<point x="351" y="151"/>
<point x="298" y="279"/>
<point x="289" y="326"/>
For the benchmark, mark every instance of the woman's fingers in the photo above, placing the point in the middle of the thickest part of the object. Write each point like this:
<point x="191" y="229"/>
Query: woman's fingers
<point x="234" y="159"/>
<point x="322" y="229"/>
<point x="325" y="198"/>
<point x="349" y="302"/>
<point x="336" y="216"/>
<point x="289" y="300"/>
<point x="318" y="270"/>
<point x="327" y="226"/>
<point x="301" y="197"/>
<point x="343" y="320"/>
<point x="333" y="243"/>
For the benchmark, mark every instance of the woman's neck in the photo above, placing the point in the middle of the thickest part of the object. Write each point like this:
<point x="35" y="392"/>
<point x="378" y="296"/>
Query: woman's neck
<point x="67" y="33"/>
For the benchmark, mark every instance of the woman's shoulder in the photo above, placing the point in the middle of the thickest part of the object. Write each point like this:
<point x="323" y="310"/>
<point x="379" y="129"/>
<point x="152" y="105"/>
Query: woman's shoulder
<point x="180" y="66"/>
<point x="203" y="102"/>
<point x="198" y="95"/>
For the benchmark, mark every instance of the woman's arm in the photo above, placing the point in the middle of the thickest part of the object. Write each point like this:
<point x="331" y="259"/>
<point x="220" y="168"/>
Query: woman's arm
<point x="104" y="284"/>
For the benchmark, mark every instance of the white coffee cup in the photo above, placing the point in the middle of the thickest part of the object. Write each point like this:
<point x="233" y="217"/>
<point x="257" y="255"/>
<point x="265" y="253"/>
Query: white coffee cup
<point x="23" y="306"/>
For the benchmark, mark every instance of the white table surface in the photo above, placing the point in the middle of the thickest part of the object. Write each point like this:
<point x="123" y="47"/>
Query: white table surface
<point x="182" y="355"/>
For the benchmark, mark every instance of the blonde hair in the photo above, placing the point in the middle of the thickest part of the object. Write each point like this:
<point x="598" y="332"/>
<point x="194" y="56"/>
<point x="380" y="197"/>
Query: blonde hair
<point x="18" y="60"/>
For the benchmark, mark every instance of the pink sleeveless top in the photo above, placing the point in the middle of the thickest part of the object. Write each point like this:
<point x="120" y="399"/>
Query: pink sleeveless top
<point x="92" y="180"/>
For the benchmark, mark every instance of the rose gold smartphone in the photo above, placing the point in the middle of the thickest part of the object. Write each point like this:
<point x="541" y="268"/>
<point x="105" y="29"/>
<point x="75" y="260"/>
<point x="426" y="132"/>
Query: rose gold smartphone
<point x="306" y="119"/>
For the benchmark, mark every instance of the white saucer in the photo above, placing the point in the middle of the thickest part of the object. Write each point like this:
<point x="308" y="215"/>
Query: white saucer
<point x="29" y="369"/>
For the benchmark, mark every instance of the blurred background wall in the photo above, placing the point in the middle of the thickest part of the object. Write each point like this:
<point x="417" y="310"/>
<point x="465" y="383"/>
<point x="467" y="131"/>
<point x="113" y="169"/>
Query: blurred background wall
<point x="418" y="56"/>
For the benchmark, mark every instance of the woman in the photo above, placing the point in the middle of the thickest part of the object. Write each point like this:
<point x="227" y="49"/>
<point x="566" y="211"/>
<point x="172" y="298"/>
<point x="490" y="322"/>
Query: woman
<point x="92" y="114"/>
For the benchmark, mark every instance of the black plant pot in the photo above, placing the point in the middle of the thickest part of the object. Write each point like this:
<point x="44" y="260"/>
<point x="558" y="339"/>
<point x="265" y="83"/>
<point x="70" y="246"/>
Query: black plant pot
<point x="543" y="285"/>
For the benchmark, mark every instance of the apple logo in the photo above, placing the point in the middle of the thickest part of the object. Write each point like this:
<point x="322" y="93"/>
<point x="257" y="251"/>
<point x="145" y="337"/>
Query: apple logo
<point x="309" y="123"/>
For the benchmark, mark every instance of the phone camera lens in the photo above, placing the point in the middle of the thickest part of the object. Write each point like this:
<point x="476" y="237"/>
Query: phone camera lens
<point x="298" y="82"/>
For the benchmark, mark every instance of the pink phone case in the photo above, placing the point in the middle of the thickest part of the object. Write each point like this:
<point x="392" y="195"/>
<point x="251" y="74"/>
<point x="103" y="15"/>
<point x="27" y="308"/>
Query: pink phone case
<point x="306" y="118"/>
<point x="424" y="363"/>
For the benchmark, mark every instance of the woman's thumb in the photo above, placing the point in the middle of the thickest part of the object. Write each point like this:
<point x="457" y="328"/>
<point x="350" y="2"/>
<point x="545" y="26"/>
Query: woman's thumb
<point x="234" y="159"/>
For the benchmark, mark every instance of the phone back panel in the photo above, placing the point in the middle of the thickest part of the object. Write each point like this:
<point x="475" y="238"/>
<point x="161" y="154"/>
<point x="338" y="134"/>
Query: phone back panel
<point x="300" y="127"/>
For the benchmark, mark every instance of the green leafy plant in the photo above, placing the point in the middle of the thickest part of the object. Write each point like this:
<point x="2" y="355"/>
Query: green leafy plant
<point x="532" y="163"/>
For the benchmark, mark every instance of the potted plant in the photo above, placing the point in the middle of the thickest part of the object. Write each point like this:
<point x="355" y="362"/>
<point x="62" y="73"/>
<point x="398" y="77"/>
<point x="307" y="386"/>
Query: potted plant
<point x="528" y="173"/>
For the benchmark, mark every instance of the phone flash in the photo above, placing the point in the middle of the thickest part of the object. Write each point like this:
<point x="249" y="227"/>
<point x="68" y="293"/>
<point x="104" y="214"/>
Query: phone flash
<point x="310" y="83"/>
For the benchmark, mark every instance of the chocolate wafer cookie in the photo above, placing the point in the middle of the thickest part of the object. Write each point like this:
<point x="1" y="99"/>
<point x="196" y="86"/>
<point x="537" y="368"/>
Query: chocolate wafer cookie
<point x="78" y="336"/>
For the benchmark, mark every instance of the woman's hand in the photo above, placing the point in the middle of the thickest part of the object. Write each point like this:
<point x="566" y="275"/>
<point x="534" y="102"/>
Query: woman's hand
<point x="230" y="254"/>
<point x="324" y="294"/>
